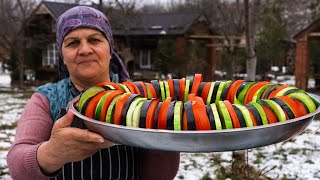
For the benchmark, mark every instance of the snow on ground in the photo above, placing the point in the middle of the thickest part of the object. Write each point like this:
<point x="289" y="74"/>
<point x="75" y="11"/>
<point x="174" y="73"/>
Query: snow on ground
<point x="294" y="159"/>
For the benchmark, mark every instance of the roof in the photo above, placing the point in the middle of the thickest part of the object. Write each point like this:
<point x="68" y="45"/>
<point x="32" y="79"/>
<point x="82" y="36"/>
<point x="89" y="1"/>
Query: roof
<point x="315" y="25"/>
<point x="58" y="8"/>
<point x="157" y="24"/>
<point x="141" y="24"/>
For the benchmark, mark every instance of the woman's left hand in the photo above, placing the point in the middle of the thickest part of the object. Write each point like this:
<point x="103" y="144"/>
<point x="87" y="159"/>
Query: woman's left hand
<point x="68" y="144"/>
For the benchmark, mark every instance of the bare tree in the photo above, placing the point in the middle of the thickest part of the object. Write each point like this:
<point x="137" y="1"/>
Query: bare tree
<point x="14" y="15"/>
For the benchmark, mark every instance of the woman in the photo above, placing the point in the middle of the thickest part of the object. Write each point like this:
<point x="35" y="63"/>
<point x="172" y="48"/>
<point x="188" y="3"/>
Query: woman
<point x="49" y="144"/>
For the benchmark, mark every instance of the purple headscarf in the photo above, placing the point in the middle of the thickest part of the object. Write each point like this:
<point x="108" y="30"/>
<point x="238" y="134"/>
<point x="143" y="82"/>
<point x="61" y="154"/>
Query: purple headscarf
<point x="87" y="17"/>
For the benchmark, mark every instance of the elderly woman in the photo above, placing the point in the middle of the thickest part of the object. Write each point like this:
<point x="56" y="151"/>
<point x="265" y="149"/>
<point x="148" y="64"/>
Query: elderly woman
<point x="49" y="144"/>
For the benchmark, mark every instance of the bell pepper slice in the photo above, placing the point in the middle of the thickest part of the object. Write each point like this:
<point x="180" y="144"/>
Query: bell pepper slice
<point x="111" y="108"/>
<point x="105" y="102"/>
<point x="246" y="114"/>
<point x="182" y="83"/>
<point x="92" y="104"/>
<point x="287" y="110"/>
<point x="162" y="118"/>
<point x="253" y="89"/>
<point x="197" y="79"/>
<point x="171" y="87"/>
<point x="232" y="113"/>
<point x="119" y="106"/>
<point x="261" y="112"/>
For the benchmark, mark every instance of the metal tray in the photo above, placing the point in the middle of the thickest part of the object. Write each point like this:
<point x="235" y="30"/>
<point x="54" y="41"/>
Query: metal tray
<point x="198" y="141"/>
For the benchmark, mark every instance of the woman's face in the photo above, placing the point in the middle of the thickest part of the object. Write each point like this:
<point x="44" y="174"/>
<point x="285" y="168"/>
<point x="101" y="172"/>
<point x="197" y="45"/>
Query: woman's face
<point x="86" y="53"/>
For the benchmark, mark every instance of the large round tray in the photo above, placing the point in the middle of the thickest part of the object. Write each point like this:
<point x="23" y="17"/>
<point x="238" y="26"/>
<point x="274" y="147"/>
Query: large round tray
<point x="198" y="141"/>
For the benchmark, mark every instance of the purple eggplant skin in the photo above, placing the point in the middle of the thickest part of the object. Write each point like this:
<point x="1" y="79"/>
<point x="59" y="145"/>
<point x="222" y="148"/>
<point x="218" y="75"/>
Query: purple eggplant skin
<point x="143" y="113"/>
<point x="126" y="107"/>
<point x="240" y="116"/>
<point x="211" y="117"/>
<point x="191" y="123"/>
<point x="170" y="116"/>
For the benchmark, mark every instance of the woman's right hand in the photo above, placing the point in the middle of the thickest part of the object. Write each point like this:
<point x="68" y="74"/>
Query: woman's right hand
<point x="68" y="144"/>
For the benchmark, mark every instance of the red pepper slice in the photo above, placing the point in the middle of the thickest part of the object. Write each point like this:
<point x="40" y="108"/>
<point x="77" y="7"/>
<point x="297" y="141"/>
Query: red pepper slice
<point x="107" y="103"/>
<point x="132" y="87"/>
<point x="275" y="91"/>
<point x="197" y="79"/>
<point x="301" y="105"/>
<point x="295" y="108"/>
<point x="115" y="85"/>
<point x="201" y="118"/>
<point x="253" y="89"/>
<point x="119" y="105"/>
<point x="233" y="90"/>
<point x="162" y="119"/>
<point x="91" y="107"/>
<point x="182" y="83"/>
<point x="171" y="87"/>
<point x="152" y="90"/>
<point x="254" y="121"/>
<point x="233" y="114"/>
<point x="205" y="91"/>
<point x="144" y="89"/>
<point x="272" y="118"/>
<point x="151" y="112"/>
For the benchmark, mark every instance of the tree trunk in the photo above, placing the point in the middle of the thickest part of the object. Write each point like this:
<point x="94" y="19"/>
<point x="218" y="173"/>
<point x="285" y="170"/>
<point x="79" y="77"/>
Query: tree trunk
<point x="239" y="157"/>
<point x="250" y="25"/>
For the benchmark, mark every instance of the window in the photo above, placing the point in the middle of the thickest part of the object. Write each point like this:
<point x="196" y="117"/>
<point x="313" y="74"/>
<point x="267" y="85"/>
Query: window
<point x="50" y="56"/>
<point x="145" y="59"/>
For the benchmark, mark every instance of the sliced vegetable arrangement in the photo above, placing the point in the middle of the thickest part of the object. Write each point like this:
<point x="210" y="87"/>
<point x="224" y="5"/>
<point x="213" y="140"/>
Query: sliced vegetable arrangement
<point x="191" y="104"/>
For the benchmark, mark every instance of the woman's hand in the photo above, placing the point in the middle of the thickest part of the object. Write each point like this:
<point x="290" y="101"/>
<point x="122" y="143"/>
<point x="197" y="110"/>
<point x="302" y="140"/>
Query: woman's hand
<point x="68" y="144"/>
